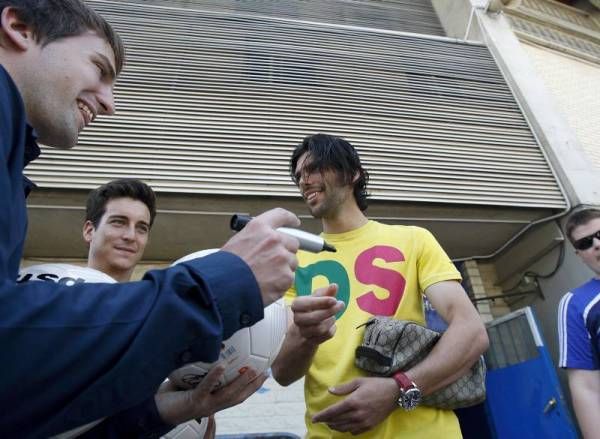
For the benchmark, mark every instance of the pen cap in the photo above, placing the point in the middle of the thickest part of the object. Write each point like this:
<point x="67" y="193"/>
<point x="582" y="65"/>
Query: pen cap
<point x="239" y="221"/>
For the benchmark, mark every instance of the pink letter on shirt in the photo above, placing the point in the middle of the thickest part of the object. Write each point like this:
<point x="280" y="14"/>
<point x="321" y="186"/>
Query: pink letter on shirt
<point x="391" y="280"/>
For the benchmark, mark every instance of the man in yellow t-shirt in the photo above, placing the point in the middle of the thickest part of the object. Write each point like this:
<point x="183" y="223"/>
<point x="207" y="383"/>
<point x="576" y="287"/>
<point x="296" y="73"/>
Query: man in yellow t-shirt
<point x="378" y="269"/>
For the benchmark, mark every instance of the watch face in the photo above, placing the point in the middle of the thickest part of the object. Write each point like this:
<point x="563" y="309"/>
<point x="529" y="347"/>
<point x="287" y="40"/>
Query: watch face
<point x="410" y="398"/>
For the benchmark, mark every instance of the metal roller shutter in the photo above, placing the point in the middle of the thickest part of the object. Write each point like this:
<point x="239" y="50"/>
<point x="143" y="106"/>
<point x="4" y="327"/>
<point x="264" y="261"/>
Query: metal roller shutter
<point x="416" y="16"/>
<point x="213" y="102"/>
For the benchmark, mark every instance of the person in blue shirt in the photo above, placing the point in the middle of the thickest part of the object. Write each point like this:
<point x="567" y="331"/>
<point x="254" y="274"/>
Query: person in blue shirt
<point x="117" y="227"/>
<point x="579" y="324"/>
<point x="73" y="355"/>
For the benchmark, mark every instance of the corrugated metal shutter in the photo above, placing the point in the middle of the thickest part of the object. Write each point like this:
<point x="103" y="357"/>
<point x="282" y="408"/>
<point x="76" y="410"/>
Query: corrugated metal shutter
<point x="213" y="102"/>
<point x="416" y="16"/>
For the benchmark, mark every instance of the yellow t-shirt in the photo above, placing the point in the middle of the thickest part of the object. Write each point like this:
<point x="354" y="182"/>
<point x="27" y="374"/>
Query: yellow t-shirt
<point x="380" y="270"/>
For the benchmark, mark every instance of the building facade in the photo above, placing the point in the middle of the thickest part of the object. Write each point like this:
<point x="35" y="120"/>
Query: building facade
<point x="476" y="120"/>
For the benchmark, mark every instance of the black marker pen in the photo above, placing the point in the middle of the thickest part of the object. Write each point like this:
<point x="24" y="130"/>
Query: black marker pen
<point x="308" y="241"/>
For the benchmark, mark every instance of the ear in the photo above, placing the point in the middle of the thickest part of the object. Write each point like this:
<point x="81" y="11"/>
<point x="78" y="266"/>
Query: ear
<point x="88" y="231"/>
<point x="15" y="31"/>
<point x="356" y="177"/>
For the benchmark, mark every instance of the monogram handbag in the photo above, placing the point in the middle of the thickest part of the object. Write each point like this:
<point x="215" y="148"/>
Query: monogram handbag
<point x="391" y="345"/>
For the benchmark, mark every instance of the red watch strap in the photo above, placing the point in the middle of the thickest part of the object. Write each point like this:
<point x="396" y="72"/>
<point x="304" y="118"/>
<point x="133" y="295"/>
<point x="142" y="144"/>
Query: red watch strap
<point x="403" y="381"/>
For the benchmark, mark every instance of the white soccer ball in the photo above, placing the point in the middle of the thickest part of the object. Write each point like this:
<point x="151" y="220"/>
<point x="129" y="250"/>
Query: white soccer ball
<point x="255" y="347"/>
<point x="69" y="275"/>
<point x="195" y="255"/>
<point x="188" y="430"/>
<point x="65" y="274"/>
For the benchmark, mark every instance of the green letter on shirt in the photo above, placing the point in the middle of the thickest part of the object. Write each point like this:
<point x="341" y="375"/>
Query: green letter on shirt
<point x="333" y="271"/>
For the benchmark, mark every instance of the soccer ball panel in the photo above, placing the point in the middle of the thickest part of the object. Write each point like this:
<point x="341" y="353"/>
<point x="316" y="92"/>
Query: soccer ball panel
<point x="265" y="336"/>
<point x="188" y="430"/>
<point x="195" y="255"/>
<point x="65" y="274"/>
<point x="254" y="347"/>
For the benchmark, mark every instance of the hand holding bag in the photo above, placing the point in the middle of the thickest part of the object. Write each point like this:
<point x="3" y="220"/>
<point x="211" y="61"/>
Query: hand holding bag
<point x="391" y="345"/>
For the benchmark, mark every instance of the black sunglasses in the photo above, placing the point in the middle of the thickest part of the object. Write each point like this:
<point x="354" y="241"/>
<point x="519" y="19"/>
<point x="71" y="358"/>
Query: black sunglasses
<point x="587" y="241"/>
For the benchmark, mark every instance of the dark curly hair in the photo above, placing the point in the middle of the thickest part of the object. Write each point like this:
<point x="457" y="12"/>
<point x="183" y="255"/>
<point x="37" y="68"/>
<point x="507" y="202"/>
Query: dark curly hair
<point x="334" y="153"/>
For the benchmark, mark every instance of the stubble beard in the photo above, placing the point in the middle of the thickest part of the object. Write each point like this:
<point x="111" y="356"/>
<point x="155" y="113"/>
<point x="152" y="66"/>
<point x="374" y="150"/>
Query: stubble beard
<point x="327" y="209"/>
<point x="317" y="212"/>
<point x="55" y="121"/>
<point x="60" y="133"/>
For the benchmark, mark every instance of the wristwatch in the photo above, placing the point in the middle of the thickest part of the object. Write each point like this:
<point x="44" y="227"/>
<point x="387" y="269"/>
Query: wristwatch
<point x="410" y="395"/>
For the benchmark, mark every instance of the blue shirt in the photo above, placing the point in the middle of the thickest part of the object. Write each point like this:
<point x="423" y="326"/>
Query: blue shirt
<point x="578" y="327"/>
<point x="72" y="355"/>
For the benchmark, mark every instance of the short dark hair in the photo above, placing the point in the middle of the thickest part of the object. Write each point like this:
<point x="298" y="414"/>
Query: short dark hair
<point x="334" y="153"/>
<point x="580" y="218"/>
<point x="51" y="20"/>
<point x="124" y="188"/>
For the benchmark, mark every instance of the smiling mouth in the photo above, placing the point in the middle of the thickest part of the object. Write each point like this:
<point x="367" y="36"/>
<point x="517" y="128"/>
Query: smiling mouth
<point x="88" y="114"/>
<point x="311" y="194"/>
<point x="127" y="250"/>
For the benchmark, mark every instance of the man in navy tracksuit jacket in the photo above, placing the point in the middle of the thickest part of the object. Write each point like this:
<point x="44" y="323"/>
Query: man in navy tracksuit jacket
<point x="72" y="355"/>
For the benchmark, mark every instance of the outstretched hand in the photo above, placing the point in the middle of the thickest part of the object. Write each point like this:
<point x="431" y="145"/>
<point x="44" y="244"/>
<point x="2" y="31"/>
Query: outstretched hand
<point x="370" y="400"/>
<point x="314" y="315"/>
<point x="176" y="406"/>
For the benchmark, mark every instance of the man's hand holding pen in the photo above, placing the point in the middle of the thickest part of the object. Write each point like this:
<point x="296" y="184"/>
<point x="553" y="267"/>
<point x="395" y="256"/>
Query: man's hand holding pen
<point x="308" y="241"/>
<point x="270" y="255"/>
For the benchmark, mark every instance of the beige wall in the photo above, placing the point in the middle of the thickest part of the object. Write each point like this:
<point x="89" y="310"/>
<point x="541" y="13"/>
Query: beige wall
<point x="575" y="85"/>
<point x="142" y="268"/>
<point x="489" y="279"/>
<point x="454" y="16"/>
